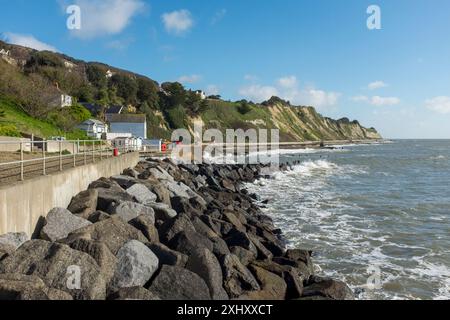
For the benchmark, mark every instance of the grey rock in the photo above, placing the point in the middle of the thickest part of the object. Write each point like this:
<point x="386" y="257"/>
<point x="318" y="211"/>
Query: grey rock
<point x="98" y="216"/>
<point x="56" y="265"/>
<point x="131" y="173"/>
<point x="175" y="283"/>
<point x="187" y="242"/>
<point x="136" y="265"/>
<point x="142" y="194"/>
<point x="166" y="256"/>
<point x="237" y="278"/>
<point x="174" y="226"/>
<point x="84" y="204"/>
<point x="22" y="287"/>
<point x="328" y="288"/>
<point x="13" y="240"/>
<point x="125" y="181"/>
<point x="111" y="197"/>
<point x="204" y="263"/>
<point x="245" y="256"/>
<point x="162" y="193"/>
<point x="114" y="232"/>
<point x="160" y="174"/>
<point x="146" y="225"/>
<point x="163" y="211"/>
<point x="130" y="210"/>
<point x="273" y="287"/>
<point x="59" y="223"/>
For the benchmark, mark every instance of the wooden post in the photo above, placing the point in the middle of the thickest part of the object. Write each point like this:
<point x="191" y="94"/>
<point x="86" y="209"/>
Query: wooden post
<point x="60" y="157"/>
<point x="21" y="161"/>
<point x="43" y="157"/>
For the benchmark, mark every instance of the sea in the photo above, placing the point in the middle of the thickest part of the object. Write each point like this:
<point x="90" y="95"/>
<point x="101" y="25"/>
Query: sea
<point x="376" y="216"/>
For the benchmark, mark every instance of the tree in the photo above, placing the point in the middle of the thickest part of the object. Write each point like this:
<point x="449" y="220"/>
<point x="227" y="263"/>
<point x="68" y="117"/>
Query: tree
<point x="127" y="88"/>
<point x="2" y="114"/>
<point x="244" y="108"/>
<point x="175" y="94"/>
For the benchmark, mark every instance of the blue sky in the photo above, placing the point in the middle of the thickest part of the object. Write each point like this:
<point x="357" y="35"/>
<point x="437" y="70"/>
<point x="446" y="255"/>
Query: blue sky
<point x="319" y="52"/>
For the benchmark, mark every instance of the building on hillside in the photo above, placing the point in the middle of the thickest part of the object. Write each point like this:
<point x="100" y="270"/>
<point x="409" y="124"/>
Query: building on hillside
<point x="109" y="74"/>
<point x="127" y="143"/>
<point x="62" y="100"/>
<point x="4" y="52"/>
<point x="94" y="128"/>
<point x="201" y="94"/>
<point x="136" y="124"/>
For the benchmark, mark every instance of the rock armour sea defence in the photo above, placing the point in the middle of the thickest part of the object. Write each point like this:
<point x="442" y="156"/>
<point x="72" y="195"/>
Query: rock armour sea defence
<point x="162" y="231"/>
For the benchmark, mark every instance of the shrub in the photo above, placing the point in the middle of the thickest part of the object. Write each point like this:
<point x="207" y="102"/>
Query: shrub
<point x="9" y="130"/>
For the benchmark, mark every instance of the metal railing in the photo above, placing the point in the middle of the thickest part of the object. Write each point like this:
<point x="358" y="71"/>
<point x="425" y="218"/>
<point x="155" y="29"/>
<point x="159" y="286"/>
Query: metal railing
<point x="26" y="158"/>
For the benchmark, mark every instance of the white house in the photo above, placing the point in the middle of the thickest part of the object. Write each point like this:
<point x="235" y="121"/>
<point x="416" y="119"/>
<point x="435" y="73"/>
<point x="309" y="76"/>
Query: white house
<point x="127" y="143"/>
<point x="109" y="74"/>
<point x="4" y="52"/>
<point x="94" y="128"/>
<point x="62" y="101"/>
<point x="201" y="94"/>
<point x="136" y="124"/>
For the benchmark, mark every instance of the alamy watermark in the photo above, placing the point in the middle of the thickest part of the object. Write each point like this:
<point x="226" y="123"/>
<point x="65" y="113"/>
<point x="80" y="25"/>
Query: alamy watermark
<point x="234" y="146"/>
<point x="74" y="19"/>
<point x="374" y="19"/>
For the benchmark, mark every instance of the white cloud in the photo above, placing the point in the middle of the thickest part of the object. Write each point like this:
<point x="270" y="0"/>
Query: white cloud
<point x="194" y="78"/>
<point x="377" y="100"/>
<point x="27" y="41"/>
<point x="258" y="93"/>
<point x="212" y="89"/>
<point x="376" y="85"/>
<point x="106" y="17"/>
<point x="384" y="101"/>
<point x="288" y="82"/>
<point x="439" y="104"/>
<point x="178" y="22"/>
<point x="288" y="88"/>
<point x="251" y="77"/>
<point x="218" y="16"/>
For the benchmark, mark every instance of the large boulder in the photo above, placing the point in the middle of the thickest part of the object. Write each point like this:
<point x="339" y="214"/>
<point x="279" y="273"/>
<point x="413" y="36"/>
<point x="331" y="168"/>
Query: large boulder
<point x="175" y="283"/>
<point x="146" y="225"/>
<point x="125" y="181"/>
<point x="163" y="211"/>
<point x="162" y="193"/>
<point x="187" y="242"/>
<point x="59" y="267"/>
<point x="142" y="194"/>
<point x="237" y="278"/>
<point x="327" y="288"/>
<point x="114" y="232"/>
<point x="174" y="226"/>
<point x="136" y="264"/>
<point x="204" y="263"/>
<point x="130" y="210"/>
<point x="110" y="197"/>
<point x="167" y="256"/>
<point x="101" y="254"/>
<point x="59" y="223"/>
<point x="273" y="287"/>
<point x="84" y="204"/>
<point x="11" y="241"/>
<point x="22" y="287"/>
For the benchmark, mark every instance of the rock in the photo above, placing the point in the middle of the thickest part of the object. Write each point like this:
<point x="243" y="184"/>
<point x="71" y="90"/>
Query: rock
<point x="263" y="252"/>
<point x="135" y="266"/>
<point x="175" y="283"/>
<point x="163" y="212"/>
<point x="245" y="256"/>
<point x="131" y="173"/>
<point x="22" y="287"/>
<point x="273" y="287"/>
<point x="187" y="242"/>
<point x="202" y="228"/>
<point x="241" y="239"/>
<point x="174" y="226"/>
<point x="220" y="247"/>
<point x="58" y="295"/>
<point x="237" y="278"/>
<point x="98" y="216"/>
<point x="167" y="256"/>
<point x="328" y="288"/>
<point x="129" y="210"/>
<point x="227" y="184"/>
<point x="160" y="174"/>
<point x="101" y="254"/>
<point x="58" y="266"/>
<point x="59" y="223"/>
<point x="231" y="218"/>
<point x="204" y="263"/>
<point x="125" y="181"/>
<point x="84" y="204"/>
<point x="12" y="241"/>
<point x="114" y="232"/>
<point x="162" y="193"/>
<point x="300" y="259"/>
<point x="146" y="225"/>
<point x="294" y="285"/>
<point x="106" y="184"/>
<point x="142" y="194"/>
<point x="111" y="197"/>
<point x="134" y="293"/>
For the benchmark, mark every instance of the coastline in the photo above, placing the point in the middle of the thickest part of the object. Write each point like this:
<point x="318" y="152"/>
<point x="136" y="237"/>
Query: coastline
<point x="168" y="232"/>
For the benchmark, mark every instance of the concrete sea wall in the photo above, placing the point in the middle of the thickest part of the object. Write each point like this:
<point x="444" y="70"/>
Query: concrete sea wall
<point x="23" y="204"/>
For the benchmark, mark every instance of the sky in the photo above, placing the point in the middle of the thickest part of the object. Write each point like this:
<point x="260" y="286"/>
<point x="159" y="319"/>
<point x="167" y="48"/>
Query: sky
<point x="395" y="78"/>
